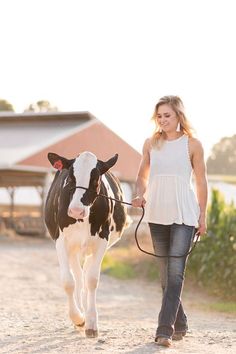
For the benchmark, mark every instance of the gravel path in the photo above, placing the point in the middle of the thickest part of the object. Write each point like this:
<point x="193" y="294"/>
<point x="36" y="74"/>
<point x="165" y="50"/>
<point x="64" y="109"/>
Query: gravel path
<point x="34" y="311"/>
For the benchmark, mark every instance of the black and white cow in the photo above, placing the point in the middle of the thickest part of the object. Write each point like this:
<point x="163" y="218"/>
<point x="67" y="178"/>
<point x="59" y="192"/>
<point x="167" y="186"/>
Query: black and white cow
<point x="83" y="226"/>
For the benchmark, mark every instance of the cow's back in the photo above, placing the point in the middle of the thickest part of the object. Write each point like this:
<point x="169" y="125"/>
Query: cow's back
<point x="120" y="210"/>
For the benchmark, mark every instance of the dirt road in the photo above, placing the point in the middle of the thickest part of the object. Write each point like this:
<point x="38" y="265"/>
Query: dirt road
<point x="34" y="311"/>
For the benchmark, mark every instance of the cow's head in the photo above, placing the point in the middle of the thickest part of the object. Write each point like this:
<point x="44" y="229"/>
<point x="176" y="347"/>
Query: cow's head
<point x="84" y="171"/>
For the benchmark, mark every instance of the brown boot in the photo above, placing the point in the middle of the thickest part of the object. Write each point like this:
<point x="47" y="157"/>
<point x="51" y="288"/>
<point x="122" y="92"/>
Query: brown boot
<point x="177" y="336"/>
<point x="163" y="341"/>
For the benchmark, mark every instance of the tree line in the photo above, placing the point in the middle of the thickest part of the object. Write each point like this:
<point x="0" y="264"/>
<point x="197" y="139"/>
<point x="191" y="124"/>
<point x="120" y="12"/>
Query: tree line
<point x="39" y="106"/>
<point x="222" y="160"/>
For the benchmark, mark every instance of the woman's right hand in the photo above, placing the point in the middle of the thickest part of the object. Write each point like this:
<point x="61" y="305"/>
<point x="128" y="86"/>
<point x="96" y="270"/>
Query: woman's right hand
<point x="138" y="202"/>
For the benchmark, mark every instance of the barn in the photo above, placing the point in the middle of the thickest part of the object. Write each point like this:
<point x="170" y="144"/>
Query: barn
<point x="25" y="172"/>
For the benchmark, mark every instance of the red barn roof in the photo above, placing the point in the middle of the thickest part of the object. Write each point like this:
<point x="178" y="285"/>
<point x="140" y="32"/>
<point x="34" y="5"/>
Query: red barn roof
<point x="25" y="140"/>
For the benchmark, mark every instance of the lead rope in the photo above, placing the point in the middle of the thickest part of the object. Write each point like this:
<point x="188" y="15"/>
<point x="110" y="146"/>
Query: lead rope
<point x="136" y="230"/>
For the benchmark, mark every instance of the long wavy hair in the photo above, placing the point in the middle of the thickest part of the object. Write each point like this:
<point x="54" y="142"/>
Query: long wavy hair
<point x="176" y="104"/>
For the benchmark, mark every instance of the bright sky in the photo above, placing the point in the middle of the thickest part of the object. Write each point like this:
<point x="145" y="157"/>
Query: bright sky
<point x="116" y="58"/>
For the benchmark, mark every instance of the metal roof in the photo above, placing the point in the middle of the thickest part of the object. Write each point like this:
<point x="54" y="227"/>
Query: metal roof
<point x="46" y="116"/>
<point x="20" y="176"/>
<point x="22" y="135"/>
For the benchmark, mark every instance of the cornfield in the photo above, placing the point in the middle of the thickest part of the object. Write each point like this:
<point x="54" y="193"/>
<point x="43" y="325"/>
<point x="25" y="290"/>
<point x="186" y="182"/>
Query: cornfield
<point x="213" y="262"/>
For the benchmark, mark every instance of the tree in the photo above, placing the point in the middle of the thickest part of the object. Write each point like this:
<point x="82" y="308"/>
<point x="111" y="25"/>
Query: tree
<point x="6" y="106"/>
<point x="223" y="157"/>
<point x="41" y="106"/>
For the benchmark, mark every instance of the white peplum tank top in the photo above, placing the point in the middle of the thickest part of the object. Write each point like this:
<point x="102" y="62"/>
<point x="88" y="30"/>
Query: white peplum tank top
<point x="170" y="195"/>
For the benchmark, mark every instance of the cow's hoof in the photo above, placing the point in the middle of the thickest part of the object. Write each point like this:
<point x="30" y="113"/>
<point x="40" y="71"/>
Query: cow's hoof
<point x="80" y="325"/>
<point x="91" y="333"/>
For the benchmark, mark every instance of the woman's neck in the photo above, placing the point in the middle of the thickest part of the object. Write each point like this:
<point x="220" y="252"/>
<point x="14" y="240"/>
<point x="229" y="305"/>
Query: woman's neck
<point x="173" y="135"/>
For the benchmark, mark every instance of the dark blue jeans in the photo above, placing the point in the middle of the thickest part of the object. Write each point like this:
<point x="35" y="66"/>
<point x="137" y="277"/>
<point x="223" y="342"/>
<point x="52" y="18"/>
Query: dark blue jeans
<point x="172" y="240"/>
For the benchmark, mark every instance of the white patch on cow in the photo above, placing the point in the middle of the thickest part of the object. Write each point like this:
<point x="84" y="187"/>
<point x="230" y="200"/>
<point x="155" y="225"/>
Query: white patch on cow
<point x="82" y="168"/>
<point x="65" y="182"/>
<point x="76" y="236"/>
<point x="78" y="239"/>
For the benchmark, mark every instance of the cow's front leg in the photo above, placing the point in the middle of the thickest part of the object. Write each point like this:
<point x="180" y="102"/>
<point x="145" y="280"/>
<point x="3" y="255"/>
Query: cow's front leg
<point x="78" y="276"/>
<point x="92" y="275"/>
<point x="68" y="282"/>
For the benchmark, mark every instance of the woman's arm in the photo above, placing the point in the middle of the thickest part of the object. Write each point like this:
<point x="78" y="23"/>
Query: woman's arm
<point x="141" y="181"/>
<point x="199" y="168"/>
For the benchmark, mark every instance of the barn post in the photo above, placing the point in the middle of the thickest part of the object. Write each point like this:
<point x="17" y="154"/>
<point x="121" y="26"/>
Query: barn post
<point x="40" y="190"/>
<point x="11" y="191"/>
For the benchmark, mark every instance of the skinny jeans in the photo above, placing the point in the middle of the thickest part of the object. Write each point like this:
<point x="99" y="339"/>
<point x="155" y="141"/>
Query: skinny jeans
<point x="171" y="240"/>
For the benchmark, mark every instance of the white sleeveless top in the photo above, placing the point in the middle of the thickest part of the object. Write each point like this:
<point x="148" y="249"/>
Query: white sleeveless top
<point x="170" y="196"/>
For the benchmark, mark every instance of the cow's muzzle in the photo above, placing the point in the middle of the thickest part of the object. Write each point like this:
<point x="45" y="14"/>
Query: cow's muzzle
<point x="78" y="213"/>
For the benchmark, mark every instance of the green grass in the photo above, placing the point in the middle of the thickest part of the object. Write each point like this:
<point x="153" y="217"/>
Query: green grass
<point x="227" y="307"/>
<point x="117" y="268"/>
<point x="124" y="265"/>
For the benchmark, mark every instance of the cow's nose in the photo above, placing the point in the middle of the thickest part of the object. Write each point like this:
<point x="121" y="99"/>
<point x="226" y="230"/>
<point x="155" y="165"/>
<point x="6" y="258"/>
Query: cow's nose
<point x="76" y="213"/>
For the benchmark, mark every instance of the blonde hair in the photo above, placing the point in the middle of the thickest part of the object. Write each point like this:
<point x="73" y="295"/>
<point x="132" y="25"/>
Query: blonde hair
<point x="177" y="105"/>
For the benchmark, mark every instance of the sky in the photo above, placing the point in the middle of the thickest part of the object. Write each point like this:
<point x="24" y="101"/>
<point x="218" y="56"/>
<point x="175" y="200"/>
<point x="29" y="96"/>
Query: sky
<point x="116" y="58"/>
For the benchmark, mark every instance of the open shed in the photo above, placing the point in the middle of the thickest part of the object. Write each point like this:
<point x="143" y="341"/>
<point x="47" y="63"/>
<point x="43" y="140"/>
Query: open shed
<point x="20" y="176"/>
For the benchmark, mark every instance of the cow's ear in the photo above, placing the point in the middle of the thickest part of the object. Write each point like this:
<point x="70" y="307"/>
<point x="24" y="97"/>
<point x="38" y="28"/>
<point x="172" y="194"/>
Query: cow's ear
<point x="58" y="161"/>
<point x="104" y="166"/>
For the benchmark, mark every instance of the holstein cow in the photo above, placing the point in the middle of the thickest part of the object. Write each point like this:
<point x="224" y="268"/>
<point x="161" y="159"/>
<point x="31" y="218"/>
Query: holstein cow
<point x="83" y="225"/>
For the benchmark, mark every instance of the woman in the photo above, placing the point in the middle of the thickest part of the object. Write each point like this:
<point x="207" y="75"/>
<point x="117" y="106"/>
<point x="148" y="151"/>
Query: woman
<point x="172" y="210"/>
